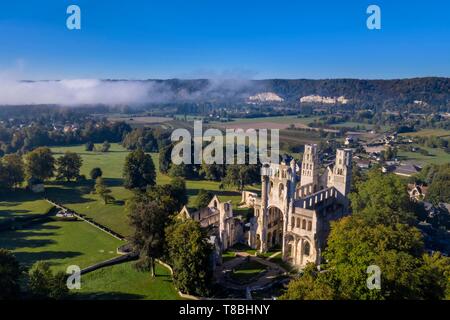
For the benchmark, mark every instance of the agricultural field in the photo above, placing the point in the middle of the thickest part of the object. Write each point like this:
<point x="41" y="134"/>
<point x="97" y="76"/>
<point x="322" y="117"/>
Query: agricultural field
<point x="282" y="122"/>
<point x="61" y="243"/>
<point x="428" y="133"/>
<point x="435" y="156"/>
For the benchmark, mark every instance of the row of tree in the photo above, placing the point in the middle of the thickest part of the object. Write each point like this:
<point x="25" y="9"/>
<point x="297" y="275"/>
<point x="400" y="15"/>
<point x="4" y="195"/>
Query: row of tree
<point x="27" y="137"/>
<point x="38" y="165"/>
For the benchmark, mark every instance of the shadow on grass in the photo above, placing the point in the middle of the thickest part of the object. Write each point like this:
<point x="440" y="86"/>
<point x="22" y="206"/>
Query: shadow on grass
<point x="27" y="238"/>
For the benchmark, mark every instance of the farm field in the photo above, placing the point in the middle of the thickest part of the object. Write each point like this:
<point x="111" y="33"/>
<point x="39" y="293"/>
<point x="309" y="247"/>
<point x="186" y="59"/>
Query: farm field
<point x="61" y="243"/>
<point x="436" y="156"/>
<point x="123" y="281"/>
<point x="428" y="133"/>
<point x="266" y="123"/>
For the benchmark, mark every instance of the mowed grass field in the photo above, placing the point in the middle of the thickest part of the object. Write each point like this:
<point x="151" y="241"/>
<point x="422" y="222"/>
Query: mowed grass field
<point x="123" y="281"/>
<point x="61" y="243"/>
<point x="78" y="243"/>
<point x="435" y="156"/>
<point x="78" y="195"/>
<point x="22" y="204"/>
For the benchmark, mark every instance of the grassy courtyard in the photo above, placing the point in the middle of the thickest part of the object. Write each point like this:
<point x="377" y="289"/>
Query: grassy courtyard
<point x="61" y="243"/>
<point x="248" y="271"/>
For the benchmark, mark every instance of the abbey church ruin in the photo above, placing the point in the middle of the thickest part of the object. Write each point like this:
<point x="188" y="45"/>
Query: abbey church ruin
<point x="293" y="212"/>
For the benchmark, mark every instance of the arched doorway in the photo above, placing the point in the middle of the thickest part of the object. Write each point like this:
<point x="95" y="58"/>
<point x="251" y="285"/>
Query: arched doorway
<point x="275" y="228"/>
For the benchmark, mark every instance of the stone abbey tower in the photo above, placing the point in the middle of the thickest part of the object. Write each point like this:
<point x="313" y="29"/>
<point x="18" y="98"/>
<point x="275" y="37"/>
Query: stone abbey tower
<point x="297" y="204"/>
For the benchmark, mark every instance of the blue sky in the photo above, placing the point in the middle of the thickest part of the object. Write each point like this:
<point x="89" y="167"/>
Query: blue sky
<point x="233" y="38"/>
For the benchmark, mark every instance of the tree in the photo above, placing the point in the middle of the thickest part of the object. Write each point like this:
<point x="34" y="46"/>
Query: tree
<point x="9" y="275"/>
<point x="189" y="254"/>
<point x="380" y="232"/>
<point x="178" y="191"/>
<point x="102" y="190"/>
<point x="382" y="198"/>
<point x="139" y="171"/>
<point x="181" y="170"/>
<point x="203" y="199"/>
<point x="89" y="146"/>
<point x="439" y="190"/>
<point x="310" y="285"/>
<point x="13" y="167"/>
<point x="95" y="173"/>
<point x="148" y="219"/>
<point x="241" y="175"/>
<point x="213" y="172"/>
<point x="44" y="284"/>
<point x="105" y="146"/>
<point x="68" y="166"/>
<point x="40" y="164"/>
<point x="165" y="158"/>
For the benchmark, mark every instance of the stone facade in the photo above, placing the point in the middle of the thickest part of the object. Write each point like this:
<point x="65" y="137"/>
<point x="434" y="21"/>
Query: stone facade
<point x="293" y="213"/>
<point x="224" y="229"/>
<point x="298" y="203"/>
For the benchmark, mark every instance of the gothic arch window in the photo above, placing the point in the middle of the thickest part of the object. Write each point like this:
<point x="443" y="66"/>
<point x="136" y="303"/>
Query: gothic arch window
<point x="309" y="225"/>
<point x="306" y="249"/>
<point x="298" y="222"/>
<point x="215" y="204"/>
<point x="292" y="222"/>
<point x="304" y="224"/>
<point x="271" y="187"/>
<point x="280" y="190"/>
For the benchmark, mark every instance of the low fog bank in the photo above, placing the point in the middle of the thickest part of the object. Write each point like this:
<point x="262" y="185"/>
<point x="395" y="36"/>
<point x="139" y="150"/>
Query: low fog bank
<point x="119" y="92"/>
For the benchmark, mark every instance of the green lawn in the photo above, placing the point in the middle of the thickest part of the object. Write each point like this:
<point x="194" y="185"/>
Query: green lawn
<point x="247" y="271"/>
<point x="436" y="156"/>
<point x="22" y="204"/>
<point x="428" y="133"/>
<point x="77" y="196"/>
<point x="123" y="281"/>
<point x="61" y="244"/>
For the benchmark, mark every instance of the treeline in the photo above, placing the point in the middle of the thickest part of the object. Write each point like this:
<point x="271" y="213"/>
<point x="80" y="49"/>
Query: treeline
<point x="25" y="138"/>
<point x="36" y="167"/>
<point x="437" y="177"/>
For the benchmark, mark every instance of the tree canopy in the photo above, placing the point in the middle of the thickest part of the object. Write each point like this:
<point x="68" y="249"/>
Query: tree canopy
<point x="139" y="170"/>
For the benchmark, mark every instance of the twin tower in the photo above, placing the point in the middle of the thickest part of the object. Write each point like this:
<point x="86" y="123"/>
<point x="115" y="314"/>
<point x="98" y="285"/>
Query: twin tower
<point x="298" y="203"/>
